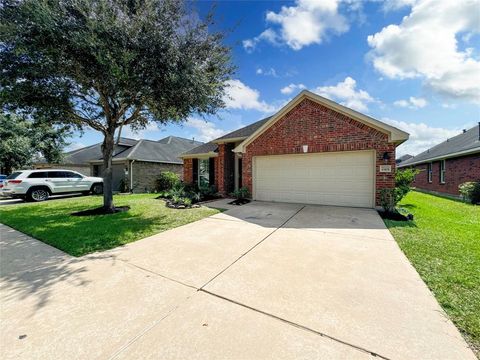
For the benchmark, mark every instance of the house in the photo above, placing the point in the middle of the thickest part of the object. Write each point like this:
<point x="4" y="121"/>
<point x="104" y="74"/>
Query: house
<point x="447" y="165"/>
<point x="403" y="158"/>
<point x="313" y="151"/>
<point x="136" y="162"/>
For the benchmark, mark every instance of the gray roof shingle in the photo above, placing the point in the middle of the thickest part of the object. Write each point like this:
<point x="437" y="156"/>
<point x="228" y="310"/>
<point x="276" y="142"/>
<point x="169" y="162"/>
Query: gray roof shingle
<point x="164" y="150"/>
<point x="468" y="140"/>
<point x="240" y="133"/>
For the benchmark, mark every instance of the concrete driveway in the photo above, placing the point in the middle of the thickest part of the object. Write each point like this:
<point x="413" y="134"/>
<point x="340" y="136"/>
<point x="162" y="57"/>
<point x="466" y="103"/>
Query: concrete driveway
<point x="261" y="281"/>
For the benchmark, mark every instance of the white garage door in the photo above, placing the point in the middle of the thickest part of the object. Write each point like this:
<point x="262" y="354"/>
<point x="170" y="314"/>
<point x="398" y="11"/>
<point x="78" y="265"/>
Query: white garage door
<point x="341" y="178"/>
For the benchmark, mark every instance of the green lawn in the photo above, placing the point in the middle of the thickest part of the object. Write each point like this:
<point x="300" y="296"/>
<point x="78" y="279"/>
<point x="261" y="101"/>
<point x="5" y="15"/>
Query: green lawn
<point x="52" y="223"/>
<point x="443" y="243"/>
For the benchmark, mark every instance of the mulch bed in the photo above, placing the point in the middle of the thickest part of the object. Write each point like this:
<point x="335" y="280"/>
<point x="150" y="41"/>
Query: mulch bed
<point x="101" y="211"/>
<point x="239" y="202"/>
<point x="394" y="216"/>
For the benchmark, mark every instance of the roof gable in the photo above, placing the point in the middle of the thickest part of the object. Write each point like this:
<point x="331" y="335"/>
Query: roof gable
<point x="394" y="135"/>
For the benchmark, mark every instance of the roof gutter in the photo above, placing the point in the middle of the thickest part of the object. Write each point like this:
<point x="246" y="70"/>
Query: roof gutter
<point x="447" y="156"/>
<point x="192" y="156"/>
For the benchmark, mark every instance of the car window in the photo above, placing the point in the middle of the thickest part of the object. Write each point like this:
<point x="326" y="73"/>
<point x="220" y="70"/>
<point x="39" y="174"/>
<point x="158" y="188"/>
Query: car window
<point x="56" y="174"/>
<point x="73" y="175"/>
<point x="14" y="175"/>
<point x="38" y="175"/>
<point x="3" y="177"/>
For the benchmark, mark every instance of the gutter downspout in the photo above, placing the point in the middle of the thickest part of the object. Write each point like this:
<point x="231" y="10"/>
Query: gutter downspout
<point x="131" y="176"/>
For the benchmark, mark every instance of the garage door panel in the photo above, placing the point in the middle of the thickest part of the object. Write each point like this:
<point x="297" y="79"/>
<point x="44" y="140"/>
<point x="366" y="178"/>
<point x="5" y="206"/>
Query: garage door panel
<point x="344" y="178"/>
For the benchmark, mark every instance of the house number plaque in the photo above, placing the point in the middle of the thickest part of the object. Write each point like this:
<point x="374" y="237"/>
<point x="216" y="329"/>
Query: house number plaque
<point x="385" y="168"/>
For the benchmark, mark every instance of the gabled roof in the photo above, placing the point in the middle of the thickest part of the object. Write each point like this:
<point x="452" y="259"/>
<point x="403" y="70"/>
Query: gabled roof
<point x="211" y="147"/>
<point x="395" y="135"/>
<point x="166" y="150"/>
<point x="465" y="143"/>
<point x="250" y="132"/>
<point x="242" y="133"/>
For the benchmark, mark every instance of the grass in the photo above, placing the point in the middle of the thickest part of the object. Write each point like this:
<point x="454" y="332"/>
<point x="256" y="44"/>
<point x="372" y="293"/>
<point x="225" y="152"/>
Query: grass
<point x="443" y="243"/>
<point x="52" y="223"/>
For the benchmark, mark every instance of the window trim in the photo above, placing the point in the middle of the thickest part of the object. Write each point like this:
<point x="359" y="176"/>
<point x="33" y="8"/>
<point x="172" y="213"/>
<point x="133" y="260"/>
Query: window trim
<point x="442" y="168"/>
<point x="430" y="172"/>
<point x="205" y="175"/>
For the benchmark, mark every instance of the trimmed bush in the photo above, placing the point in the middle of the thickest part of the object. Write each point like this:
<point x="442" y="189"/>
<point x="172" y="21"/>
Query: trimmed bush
<point x="241" y="194"/>
<point x="167" y="180"/>
<point x="470" y="191"/>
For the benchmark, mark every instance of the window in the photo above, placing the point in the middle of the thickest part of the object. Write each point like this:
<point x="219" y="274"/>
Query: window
<point x="13" y="175"/>
<point x="442" y="172"/>
<point x="72" y="175"/>
<point x="203" y="172"/>
<point x="429" y="172"/>
<point x="38" y="175"/>
<point x="56" y="174"/>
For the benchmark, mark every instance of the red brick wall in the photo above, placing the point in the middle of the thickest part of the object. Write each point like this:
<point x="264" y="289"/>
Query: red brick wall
<point x="188" y="170"/>
<point x="220" y="169"/>
<point x="457" y="171"/>
<point x="323" y="130"/>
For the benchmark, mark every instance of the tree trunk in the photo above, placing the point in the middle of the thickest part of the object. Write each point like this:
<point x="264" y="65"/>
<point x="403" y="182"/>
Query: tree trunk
<point x="107" y="150"/>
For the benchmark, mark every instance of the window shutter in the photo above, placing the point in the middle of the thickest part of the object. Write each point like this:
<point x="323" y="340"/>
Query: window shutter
<point x="211" y="171"/>
<point x="195" y="171"/>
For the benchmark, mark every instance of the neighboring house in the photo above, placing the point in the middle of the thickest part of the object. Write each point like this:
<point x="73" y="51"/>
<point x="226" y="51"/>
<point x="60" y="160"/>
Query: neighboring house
<point x="312" y="151"/>
<point x="403" y="158"/>
<point x="136" y="162"/>
<point x="449" y="164"/>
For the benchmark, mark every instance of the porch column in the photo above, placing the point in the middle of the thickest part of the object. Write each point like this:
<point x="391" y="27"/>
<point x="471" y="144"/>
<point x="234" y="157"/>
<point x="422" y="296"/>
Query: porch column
<point x="220" y="170"/>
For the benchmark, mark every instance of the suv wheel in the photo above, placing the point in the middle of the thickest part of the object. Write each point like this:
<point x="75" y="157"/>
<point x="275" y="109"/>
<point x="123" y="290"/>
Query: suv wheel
<point x="38" y="194"/>
<point x="97" y="189"/>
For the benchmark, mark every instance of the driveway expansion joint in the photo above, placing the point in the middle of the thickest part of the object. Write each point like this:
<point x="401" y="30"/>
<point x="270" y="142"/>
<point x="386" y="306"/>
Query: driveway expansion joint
<point x="253" y="247"/>
<point x="299" y="326"/>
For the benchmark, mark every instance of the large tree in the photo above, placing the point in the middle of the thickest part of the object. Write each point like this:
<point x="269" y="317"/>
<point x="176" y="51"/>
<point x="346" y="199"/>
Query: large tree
<point x="105" y="64"/>
<point x="23" y="139"/>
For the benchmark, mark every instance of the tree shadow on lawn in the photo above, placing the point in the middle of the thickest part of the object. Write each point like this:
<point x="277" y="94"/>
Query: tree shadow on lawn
<point x="78" y="236"/>
<point x="400" y="224"/>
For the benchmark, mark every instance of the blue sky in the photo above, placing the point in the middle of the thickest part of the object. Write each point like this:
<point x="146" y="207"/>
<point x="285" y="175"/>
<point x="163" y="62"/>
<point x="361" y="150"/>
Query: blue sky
<point x="412" y="63"/>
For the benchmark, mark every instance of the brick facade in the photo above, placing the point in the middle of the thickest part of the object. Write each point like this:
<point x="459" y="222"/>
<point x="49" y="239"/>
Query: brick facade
<point x="457" y="171"/>
<point x="188" y="170"/>
<point x="323" y="130"/>
<point x="145" y="173"/>
<point x="312" y="124"/>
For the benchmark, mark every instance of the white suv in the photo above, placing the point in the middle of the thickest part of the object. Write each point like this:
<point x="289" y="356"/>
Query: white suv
<point x="38" y="185"/>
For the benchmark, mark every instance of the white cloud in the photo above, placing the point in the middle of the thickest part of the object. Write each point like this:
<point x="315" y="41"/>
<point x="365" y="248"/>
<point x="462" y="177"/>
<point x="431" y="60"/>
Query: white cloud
<point x="206" y="130"/>
<point x="307" y="22"/>
<point x="346" y="93"/>
<point x="422" y="136"/>
<point x="268" y="35"/>
<point x="291" y="88"/>
<point x="392" y="5"/>
<point x="411" y="103"/>
<point x="267" y="72"/>
<point x="240" y="96"/>
<point x="425" y="46"/>
<point x="128" y="132"/>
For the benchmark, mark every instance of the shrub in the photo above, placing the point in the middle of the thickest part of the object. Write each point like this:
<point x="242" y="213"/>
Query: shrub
<point x="475" y="193"/>
<point x="466" y="190"/>
<point x="388" y="200"/>
<point x="122" y="186"/>
<point x="241" y="194"/>
<point x="208" y="192"/>
<point x="167" y="180"/>
<point x="403" y="182"/>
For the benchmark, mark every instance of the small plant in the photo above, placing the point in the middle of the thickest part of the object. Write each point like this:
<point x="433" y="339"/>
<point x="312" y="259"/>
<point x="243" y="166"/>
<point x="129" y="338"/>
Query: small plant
<point x="475" y="193"/>
<point x="123" y="185"/>
<point x="241" y="194"/>
<point x="167" y="180"/>
<point x="388" y="200"/>
<point x="403" y="182"/>
<point x="470" y="191"/>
